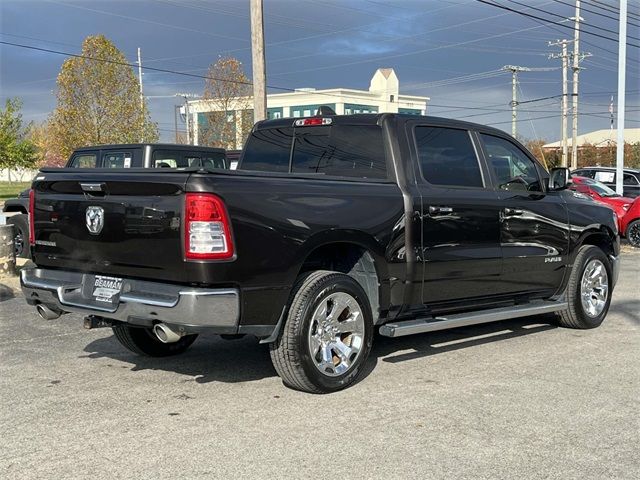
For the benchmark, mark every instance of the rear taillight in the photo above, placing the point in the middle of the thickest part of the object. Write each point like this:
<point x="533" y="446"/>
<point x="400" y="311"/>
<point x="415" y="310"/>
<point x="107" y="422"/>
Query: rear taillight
<point x="32" y="208"/>
<point x="207" y="228"/>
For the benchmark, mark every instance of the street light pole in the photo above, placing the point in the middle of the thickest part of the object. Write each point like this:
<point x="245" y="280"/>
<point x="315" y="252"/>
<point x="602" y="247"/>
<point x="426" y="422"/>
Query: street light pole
<point x="622" y="65"/>
<point x="565" y="93"/>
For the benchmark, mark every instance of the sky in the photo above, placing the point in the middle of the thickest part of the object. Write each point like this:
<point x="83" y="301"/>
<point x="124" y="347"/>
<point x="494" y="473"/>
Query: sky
<point x="449" y="50"/>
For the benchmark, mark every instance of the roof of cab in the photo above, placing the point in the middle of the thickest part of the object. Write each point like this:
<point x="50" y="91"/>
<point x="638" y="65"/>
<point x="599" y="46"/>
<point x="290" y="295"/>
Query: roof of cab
<point x="172" y="146"/>
<point x="377" y="118"/>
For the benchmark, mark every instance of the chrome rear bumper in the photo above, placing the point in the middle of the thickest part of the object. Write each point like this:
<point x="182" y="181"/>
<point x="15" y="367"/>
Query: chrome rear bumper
<point x="141" y="302"/>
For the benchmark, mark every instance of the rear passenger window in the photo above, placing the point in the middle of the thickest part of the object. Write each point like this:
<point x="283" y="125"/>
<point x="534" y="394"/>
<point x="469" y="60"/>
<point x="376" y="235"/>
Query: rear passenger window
<point x="629" y="179"/>
<point x="345" y="151"/>
<point x="447" y="157"/>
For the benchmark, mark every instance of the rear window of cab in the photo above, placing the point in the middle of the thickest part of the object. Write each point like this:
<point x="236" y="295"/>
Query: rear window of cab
<point x="337" y="150"/>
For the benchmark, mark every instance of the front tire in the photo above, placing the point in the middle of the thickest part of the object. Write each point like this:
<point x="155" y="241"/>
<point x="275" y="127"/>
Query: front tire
<point x="327" y="336"/>
<point x="633" y="233"/>
<point x="142" y="341"/>
<point x="588" y="291"/>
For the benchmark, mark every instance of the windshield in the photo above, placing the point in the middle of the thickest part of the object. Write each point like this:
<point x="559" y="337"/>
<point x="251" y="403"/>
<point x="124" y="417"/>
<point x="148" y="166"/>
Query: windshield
<point x="603" y="190"/>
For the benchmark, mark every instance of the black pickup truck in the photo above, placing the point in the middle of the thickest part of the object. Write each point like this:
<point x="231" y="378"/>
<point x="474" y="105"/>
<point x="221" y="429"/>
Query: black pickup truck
<point x="331" y="227"/>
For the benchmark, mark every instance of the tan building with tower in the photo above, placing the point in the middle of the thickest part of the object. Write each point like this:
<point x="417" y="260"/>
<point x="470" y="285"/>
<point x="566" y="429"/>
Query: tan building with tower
<point x="382" y="96"/>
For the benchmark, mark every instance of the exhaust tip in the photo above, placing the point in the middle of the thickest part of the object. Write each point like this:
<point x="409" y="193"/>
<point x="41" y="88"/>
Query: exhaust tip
<point x="166" y="334"/>
<point x="46" y="313"/>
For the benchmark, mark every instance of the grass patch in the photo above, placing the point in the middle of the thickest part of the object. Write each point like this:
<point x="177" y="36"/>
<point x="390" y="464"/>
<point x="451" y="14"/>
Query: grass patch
<point x="11" y="189"/>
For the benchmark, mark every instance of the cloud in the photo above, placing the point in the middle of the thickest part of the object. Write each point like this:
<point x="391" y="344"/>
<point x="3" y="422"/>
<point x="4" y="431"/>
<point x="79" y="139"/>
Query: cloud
<point x="384" y="37"/>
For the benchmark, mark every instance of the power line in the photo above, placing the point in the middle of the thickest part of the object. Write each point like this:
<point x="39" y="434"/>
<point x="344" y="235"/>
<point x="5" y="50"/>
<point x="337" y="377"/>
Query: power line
<point x="564" y="18"/>
<point x="593" y="12"/>
<point x="405" y="54"/>
<point x="144" y="20"/>
<point x="145" y="67"/>
<point x="361" y="28"/>
<point x="513" y="10"/>
<point x="126" y="64"/>
<point x="609" y="8"/>
<point x="168" y="71"/>
<point x="599" y="47"/>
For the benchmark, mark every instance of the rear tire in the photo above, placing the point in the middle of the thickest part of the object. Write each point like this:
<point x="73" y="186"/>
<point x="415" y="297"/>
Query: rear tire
<point x="142" y="341"/>
<point x="588" y="291"/>
<point x="20" y="234"/>
<point x="633" y="233"/>
<point x="327" y="335"/>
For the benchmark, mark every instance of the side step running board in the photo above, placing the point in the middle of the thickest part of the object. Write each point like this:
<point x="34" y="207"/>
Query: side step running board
<point x="410" y="327"/>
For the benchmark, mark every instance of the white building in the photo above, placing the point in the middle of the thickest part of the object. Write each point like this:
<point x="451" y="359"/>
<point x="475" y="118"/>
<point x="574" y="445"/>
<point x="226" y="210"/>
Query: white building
<point x="383" y="95"/>
<point x="600" y="138"/>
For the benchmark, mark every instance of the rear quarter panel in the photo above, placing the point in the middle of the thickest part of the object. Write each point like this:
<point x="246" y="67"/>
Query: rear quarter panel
<point x="277" y="222"/>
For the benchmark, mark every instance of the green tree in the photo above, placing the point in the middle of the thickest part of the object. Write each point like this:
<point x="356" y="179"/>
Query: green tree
<point x="227" y="94"/>
<point x="99" y="100"/>
<point x="42" y="137"/>
<point x="17" y="151"/>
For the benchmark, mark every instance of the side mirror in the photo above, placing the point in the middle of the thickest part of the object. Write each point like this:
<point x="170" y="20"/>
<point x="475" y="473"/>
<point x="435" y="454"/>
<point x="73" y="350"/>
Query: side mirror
<point x="559" y="179"/>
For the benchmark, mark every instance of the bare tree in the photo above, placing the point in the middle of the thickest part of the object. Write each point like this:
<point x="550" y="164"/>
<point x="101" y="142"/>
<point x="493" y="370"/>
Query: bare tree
<point x="227" y="94"/>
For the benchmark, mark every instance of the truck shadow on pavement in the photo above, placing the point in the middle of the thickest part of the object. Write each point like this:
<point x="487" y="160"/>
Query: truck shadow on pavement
<point x="212" y="359"/>
<point x="6" y="293"/>
<point x="629" y="310"/>
<point x="460" y="338"/>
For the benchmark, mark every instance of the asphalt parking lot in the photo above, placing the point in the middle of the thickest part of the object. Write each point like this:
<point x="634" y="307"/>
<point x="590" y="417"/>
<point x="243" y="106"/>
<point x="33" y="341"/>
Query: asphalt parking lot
<point x="517" y="399"/>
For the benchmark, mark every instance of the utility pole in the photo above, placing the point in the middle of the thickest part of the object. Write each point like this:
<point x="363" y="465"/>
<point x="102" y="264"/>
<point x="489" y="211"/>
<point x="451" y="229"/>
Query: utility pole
<point x="577" y="58"/>
<point x="258" y="62"/>
<point x="622" y="65"/>
<point x="514" y="69"/>
<point x="175" y="121"/>
<point x="514" y="100"/>
<point x="576" y="71"/>
<point x="565" y="92"/>
<point x="141" y="95"/>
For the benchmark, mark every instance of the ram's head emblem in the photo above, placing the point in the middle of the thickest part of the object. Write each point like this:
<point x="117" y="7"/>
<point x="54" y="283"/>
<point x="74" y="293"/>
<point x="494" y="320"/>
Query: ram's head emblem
<point x="95" y="219"/>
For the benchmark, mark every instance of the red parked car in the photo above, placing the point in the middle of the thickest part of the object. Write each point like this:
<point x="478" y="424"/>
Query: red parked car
<point x="627" y="209"/>
<point x="630" y="224"/>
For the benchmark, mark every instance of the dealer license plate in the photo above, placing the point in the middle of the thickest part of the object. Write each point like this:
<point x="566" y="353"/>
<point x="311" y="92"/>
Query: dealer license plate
<point x="106" y="289"/>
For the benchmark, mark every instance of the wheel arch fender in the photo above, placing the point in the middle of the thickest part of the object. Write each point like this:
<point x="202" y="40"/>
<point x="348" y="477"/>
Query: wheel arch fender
<point x="602" y="237"/>
<point x="354" y="253"/>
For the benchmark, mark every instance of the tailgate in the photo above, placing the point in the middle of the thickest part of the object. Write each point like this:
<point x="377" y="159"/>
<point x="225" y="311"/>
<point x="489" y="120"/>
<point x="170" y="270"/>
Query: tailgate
<point x="124" y="224"/>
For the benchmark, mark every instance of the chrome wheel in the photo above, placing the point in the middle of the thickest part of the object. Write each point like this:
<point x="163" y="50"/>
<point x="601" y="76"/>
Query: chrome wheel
<point x="336" y="334"/>
<point x="18" y="243"/>
<point x="594" y="288"/>
<point x="633" y="234"/>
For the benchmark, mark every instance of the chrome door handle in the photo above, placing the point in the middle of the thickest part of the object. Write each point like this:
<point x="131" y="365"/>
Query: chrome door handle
<point x="513" y="211"/>
<point x="433" y="210"/>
